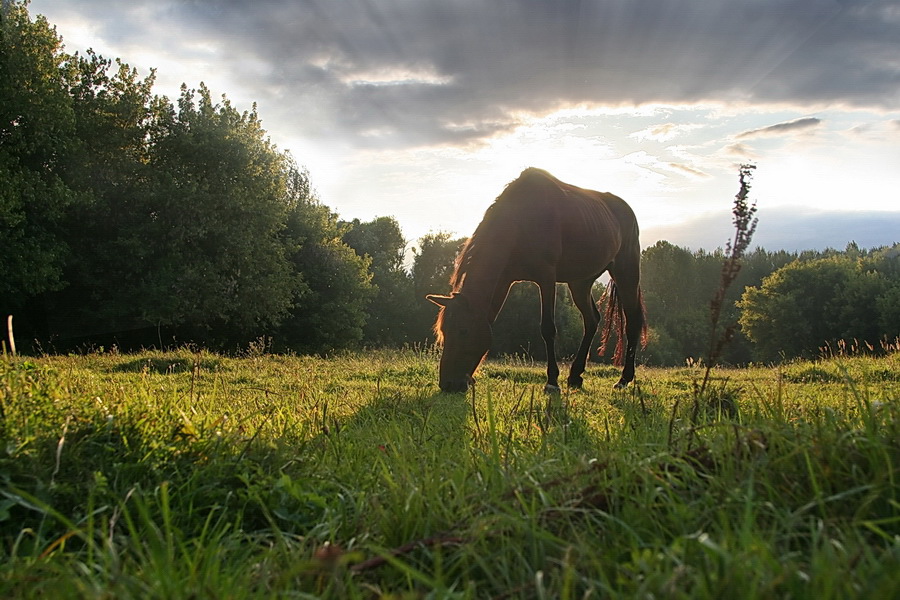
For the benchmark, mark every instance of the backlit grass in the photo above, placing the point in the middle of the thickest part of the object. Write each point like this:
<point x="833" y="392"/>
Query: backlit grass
<point x="193" y="475"/>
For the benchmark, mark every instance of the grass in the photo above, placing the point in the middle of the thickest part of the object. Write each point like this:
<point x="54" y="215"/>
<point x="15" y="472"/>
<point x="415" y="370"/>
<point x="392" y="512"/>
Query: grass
<point x="193" y="475"/>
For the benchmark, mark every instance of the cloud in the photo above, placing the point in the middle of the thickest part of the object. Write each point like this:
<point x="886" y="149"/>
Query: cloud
<point x="409" y="72"/>
<point x="782" y="128"/>
<point x="739" y="150"/>
<point x="688" y="170"/>
<point x="664" y="132"/>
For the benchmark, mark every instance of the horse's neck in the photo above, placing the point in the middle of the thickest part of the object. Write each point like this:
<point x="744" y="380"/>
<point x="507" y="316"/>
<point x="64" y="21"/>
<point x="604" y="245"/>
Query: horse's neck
<point x="488" y="276"/>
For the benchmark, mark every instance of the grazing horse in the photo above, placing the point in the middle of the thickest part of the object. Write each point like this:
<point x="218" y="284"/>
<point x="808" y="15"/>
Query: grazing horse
<point x="545" y="231"/>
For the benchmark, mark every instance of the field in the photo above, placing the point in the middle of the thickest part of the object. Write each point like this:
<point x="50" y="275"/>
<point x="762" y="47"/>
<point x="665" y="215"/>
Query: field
<point x="194" y="475"/>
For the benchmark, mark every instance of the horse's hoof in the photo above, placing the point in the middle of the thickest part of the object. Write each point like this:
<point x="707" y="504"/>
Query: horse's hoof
<point x="620" y="385"/>
<point x="575" y="384"/>
<point x="551" y="389"/>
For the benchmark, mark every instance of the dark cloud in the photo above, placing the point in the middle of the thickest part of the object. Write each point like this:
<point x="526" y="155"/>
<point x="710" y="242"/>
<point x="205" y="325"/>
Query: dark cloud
<point x="419" y="72"/>
<point x="782" y="128"/>
<point x="850" y="59"/>
<point x="792" y="229"/>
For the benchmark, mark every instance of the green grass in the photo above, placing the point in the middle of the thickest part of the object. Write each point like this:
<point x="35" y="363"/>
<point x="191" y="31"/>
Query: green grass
<point x="193" y="475"/>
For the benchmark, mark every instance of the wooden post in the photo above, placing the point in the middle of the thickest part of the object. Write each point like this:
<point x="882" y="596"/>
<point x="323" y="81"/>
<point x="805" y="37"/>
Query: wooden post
<point x="12" y="339"/>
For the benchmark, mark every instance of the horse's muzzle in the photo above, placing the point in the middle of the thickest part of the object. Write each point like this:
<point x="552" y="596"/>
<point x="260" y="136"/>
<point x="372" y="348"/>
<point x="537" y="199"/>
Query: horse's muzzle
<point x="455" y="386"/>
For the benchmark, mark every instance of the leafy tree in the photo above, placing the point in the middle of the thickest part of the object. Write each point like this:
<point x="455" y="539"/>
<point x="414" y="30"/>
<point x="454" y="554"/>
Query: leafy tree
<point x="108" y="165"/>
<point x="757" y="265"/>
<point x="888" y="308"/>
<point x="434" y="261"/>
<point x="392" y="308"/>
<point x="805" y="305"/>
<point x="219" y="211"/>
<point x="186" y="212"/>
<point x="36" y="131"/>
<point x="335" y="288"/>
<point x="113" y="109"/>
<point x="886" y="261"/>
<point x="677" y="286"/>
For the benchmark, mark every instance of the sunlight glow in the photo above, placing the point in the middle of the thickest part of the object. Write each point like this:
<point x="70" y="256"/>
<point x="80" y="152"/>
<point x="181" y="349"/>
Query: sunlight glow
<point x="395" y="76"/>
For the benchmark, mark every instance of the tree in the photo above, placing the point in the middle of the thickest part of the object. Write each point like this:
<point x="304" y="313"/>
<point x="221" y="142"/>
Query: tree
<point x="36" y="131"/>
<point x="803" y="306"/>
<point x="219" y="211"/>
<point x="434" y="261"/>
<point x="391" y="312"/>
<point x="677" y="286"/>
<point x="186" y="213"/>
<point x="887" y="262"/>
<point x="329" y="312"/>
<point x="108" y="167"/>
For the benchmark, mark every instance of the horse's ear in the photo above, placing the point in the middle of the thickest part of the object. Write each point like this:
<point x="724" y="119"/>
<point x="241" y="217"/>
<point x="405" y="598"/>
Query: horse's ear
<point x="441" y="301"/>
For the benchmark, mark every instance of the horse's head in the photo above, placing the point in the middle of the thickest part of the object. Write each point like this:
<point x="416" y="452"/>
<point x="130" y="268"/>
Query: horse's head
<point x="465" y="333"/>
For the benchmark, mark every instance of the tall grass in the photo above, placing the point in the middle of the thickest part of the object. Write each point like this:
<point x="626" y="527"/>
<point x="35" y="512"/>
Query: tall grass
<point x="186" y="475"/>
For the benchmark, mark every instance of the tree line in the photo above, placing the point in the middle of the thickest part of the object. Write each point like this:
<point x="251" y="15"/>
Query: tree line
<point x="128" y="218"/>
<point x="788" y="304"/>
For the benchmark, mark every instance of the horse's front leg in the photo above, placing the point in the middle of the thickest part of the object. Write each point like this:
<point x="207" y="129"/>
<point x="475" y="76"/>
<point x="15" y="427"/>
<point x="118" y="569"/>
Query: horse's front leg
<point x="548" y="332"/>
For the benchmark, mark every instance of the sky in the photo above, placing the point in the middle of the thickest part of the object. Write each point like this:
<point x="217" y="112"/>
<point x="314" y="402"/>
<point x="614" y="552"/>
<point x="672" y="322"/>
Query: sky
<point x="423" y="110"/>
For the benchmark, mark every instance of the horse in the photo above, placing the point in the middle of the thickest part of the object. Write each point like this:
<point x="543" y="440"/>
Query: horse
<point x="542" y="230"/>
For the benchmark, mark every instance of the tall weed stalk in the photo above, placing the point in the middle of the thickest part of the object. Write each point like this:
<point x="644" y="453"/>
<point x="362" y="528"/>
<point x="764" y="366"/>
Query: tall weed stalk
<point x="745" y="221"/>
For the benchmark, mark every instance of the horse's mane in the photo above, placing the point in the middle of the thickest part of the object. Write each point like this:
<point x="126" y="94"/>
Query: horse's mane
<point x="438" y="324"/>
<point x="461" y="266"/>
<point x="464" y="260"/>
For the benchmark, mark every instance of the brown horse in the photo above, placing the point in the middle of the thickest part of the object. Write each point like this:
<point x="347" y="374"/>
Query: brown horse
<point x="546" y="231"/>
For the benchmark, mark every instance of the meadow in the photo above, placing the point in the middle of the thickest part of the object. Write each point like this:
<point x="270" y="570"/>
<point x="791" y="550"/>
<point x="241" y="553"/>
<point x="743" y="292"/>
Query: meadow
<point x="195" y="475"/>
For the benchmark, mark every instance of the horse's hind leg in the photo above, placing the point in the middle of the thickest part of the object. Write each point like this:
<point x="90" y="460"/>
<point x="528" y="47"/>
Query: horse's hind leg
<point x="627" y="277"/>
<point x="581" y="296"/>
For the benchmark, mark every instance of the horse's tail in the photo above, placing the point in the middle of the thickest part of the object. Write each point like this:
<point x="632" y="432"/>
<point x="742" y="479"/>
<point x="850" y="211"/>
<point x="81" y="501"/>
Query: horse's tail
<point x="614" y="318"/>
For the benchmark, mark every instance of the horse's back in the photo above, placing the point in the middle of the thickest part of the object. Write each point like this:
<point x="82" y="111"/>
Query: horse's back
<point x="580" y="230"/>
<point x="542" y="195"/>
